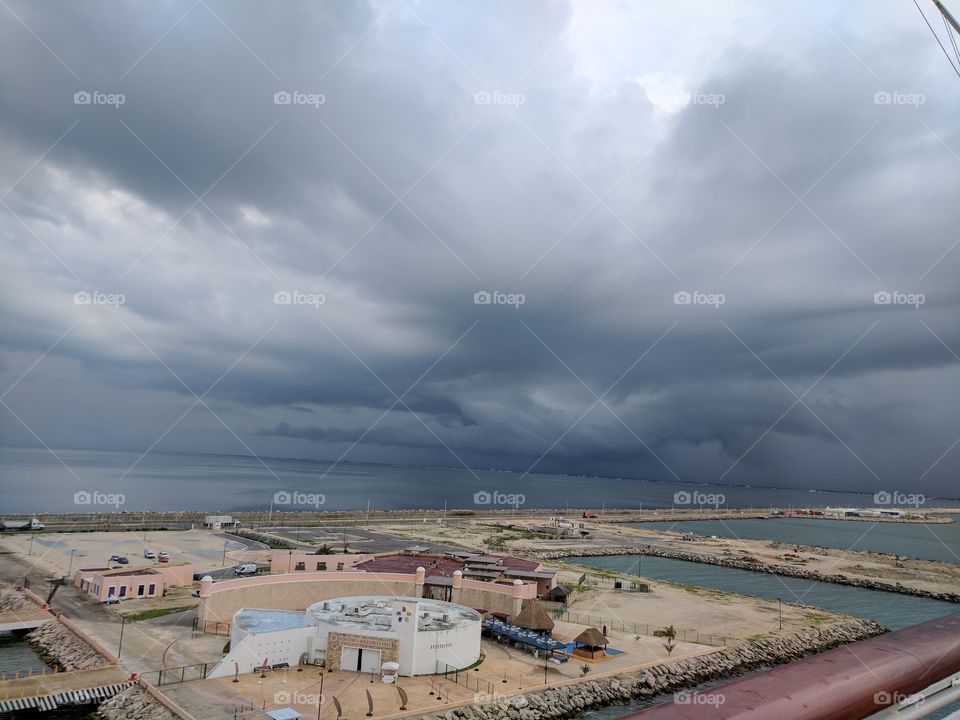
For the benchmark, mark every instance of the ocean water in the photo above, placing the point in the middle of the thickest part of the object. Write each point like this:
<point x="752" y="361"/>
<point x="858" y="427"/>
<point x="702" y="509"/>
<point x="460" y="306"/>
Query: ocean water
<point x="927" y="542"/>
<point x="34" y="480"/>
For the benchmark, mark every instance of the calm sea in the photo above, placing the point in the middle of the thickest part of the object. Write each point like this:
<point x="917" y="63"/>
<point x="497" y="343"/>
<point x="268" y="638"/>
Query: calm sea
<point x="34" y="480"/>
<point x="928" y="542"/>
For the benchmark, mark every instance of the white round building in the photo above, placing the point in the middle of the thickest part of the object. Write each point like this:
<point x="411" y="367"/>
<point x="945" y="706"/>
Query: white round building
<point x="358" y="634"/>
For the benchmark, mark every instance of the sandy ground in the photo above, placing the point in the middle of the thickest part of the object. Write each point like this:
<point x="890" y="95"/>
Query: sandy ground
<point x="52" y="551"/>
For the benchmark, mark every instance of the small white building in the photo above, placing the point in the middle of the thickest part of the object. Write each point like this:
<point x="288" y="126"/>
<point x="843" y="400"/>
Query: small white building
<point x="357" y="634"/>
<point x="217" y="522"/>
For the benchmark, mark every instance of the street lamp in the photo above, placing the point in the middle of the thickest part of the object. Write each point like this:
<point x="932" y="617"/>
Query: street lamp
<point x="123" y="622"/>
<point x="223" y="563"/>
<point x="70" y="568"/>
<point x="320" y="699"/>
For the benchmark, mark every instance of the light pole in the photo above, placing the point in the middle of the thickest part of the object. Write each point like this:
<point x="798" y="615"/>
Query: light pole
<point x="31" y="545"/>
<point x="320" y="699"/>
<point x="224" y="561"/>
<point x="70" y="568"/>
<point x="123" y="622"/>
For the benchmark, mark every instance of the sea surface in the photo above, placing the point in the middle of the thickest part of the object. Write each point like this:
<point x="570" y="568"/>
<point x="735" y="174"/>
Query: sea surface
<point x="927" y="542"/>
<point x="36" y="480"/>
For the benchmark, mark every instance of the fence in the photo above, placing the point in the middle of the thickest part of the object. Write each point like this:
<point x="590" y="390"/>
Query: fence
<point x="467" y="679"/>
<point x="683" y="634"/>
<point x="172" y="676"/>
<point x="211" y="627"/>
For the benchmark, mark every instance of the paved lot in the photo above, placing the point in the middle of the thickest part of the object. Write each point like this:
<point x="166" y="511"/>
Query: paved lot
<point x="357" y="539"/>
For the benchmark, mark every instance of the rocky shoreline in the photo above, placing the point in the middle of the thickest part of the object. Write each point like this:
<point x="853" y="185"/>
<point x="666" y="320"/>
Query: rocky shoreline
<point x="62" y="649"/>
<point x="750" y="563"/>
<point x="134" y="703"/>
<point x="567" y="701"/>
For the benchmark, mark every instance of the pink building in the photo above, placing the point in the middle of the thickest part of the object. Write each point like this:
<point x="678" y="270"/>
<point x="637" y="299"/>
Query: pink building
<point x="131" y="583"/>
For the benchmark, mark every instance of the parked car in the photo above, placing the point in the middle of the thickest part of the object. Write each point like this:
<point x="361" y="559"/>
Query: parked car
<point x="111" y="600"/>
<point x="119" y="559"/>
<point x="149" y="554"/>
<point x="163" y="556"/>
<point x="195" y="593"/>
<point x="246" y="569"/>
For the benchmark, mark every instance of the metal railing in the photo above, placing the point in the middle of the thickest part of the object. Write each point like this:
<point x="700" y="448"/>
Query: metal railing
<point x="467" y="679"/>
<point x="173" y="676"/>
<point x="211" y="627"/>
<point x="692" y="635"/>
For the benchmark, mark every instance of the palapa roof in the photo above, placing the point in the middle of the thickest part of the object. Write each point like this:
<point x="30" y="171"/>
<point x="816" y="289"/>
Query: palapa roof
<point x="592" y="637"/>
<point x="533" y="617"/>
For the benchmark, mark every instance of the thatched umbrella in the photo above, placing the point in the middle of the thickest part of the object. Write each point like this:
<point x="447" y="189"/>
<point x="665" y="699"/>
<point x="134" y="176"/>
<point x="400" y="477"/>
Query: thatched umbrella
<point x="591" y="638"/>
<point x="534" y="617"/>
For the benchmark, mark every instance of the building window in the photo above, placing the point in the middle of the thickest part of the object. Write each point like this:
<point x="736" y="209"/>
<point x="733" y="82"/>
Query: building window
<point x="110" y="590"/>
<point x="123" y="591"/>
<point x="140" y="591"/>
<point x="300" y="566"/>
<point x="152" y="590"/>
<point x="339" y="566"/>
<point x="321" y="565"/>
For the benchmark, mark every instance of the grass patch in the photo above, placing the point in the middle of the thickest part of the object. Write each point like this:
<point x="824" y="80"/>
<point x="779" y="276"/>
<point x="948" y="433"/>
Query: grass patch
<point x="155" y="613"/>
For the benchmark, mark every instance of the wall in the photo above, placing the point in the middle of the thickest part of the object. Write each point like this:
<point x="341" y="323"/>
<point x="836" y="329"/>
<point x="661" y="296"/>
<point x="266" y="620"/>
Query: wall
<point x="176" y="575"/>
<point x="283" y="561"/>
<point x="458" y="647"/>
<point x="281" y="646"/>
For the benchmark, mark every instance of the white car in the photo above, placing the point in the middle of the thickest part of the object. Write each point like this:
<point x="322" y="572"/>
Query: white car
<point x="111" y="600"/>
<point x="247" y="569"/>
<point x="149" y="554"/>
<point x="163" y="556"/>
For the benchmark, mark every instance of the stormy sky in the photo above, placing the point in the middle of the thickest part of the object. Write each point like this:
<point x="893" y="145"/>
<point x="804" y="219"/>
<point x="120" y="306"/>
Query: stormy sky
<point x="708" y="241"/>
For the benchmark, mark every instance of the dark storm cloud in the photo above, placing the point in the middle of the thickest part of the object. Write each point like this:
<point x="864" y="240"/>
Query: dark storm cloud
<point x="384" y="208"/>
